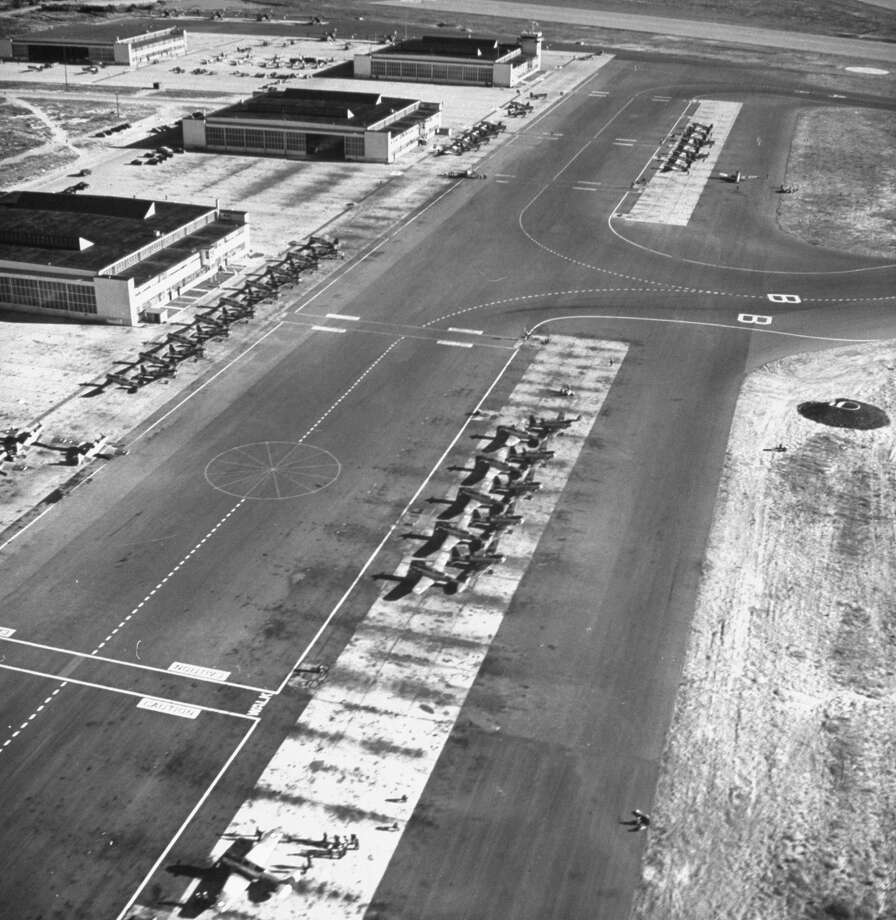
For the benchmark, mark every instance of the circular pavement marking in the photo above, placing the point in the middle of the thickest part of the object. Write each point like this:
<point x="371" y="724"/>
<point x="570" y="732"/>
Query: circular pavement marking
<point x="272" y="470"/>
<point x="876" y="71"/>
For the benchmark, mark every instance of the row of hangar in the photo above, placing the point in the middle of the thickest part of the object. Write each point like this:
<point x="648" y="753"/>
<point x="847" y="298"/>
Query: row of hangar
<point x="122" y="261"/>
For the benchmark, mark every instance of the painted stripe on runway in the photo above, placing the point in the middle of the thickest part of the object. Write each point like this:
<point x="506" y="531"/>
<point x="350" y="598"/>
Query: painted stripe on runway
<point x="468" y="331"/>
<point x="6" y="632"/>
<point x="168" y="708"/>
<point x="584" y="188"/>
<point x="400" y="683"/>
<point x="195" y="670"/>
<point x="454" y="344"/>
<point x="328" y="328"/>
<point x="348" y="316"/>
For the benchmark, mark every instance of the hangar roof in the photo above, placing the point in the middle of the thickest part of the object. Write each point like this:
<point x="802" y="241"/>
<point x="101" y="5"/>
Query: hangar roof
<point x="317" y="106"/>
<point x="84" y="232"/>
<point x="95" y="33"/>
<point x="456" y="46"/>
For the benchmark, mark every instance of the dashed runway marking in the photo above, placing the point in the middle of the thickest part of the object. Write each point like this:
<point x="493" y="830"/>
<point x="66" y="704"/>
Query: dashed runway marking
<point x="454" y="344"/>
<point x="400" y="683"/>
<point x="328" y="328"/>
<point x="345" y="316"/>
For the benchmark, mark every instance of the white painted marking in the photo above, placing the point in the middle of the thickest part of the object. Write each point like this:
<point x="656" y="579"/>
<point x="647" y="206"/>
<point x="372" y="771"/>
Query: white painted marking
<point x="502" y="181"/>
<point x="328" y="328"/>
<point x="6" y="632"/>
<point x="837" y="96"/>
<point x="348" y="316"/>
<point x="167" y="707"/>
<point x="454" y="344"/>
<point x="660" y="98"/>
<point x="583" y="188"/>
<point x="754" y="318"/>
<point x="195" y="670"/>
<point x="187" y="821"/>
<point x="334" y="761"/>
<point x="784" y="298"/>
<point x="804" y="92"/>
<point x="871" y="71"/>
<point x="468" y="331"/>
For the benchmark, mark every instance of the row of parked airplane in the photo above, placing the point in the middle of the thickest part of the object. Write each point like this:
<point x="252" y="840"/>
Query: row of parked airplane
<point x="465" y="537"/>
<point x="160" y="360"/>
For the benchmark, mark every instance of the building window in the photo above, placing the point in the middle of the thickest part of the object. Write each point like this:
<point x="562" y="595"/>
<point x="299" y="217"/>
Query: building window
<point x="273" y="140"/>
<point x="295" y="142"/>
<point x="236" y="137"/>
<point x="254" y="138"/>
<point x="354" y="147"/>
<point x="50" y="295"/>
<point x="214" y="136"/>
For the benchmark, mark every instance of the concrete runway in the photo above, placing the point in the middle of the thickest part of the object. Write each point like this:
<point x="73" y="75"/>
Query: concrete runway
<point x="239" y="533"/>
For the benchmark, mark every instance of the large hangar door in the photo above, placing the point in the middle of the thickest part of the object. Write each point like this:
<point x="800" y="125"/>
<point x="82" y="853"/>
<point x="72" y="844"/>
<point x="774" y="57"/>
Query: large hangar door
<point x="326" y="146"/>
<point x="44" y="54"/>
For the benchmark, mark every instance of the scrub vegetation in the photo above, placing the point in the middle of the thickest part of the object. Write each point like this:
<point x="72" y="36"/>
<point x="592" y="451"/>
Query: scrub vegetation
<point x="846" y="196"/>
<point x="778" y="785"/>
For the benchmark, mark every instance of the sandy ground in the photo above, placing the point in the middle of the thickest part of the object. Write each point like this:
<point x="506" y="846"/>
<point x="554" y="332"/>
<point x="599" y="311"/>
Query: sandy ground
<point x="44" y="363"/>
<point x="778" y="788"/>
<point x="846" y="179"/>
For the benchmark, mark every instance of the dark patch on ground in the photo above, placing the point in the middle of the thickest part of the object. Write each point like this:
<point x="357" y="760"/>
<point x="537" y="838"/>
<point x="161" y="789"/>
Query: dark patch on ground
<point x="844" y="413"/>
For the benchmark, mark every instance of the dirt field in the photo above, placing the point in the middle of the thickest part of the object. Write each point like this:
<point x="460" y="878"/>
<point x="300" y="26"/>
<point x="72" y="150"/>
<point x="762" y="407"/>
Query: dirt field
<point x="846" y="180"/>
<point x="778" y="790"/>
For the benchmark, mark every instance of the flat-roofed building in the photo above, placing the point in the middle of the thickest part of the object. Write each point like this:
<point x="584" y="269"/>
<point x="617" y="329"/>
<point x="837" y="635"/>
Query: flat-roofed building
<point x="115" y="260"/>
<point x="454" y="59"/>
<point x="132" y="43"/>
<point x="298" y="123"/>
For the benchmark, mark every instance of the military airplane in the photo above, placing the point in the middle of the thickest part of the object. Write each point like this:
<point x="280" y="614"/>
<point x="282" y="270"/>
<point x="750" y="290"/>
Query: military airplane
<point x="551" y="425"/>
<point x="241" y="876"/>
<point x="428" y="575"/>
<point x="503" y="520"/>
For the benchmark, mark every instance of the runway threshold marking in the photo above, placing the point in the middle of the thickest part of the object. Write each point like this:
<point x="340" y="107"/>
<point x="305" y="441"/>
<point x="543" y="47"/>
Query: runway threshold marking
<point x="454" y="344"/>
<point x="401" y="681"/>
<point x="329" y="329"/>
<point x="345" y="316"/>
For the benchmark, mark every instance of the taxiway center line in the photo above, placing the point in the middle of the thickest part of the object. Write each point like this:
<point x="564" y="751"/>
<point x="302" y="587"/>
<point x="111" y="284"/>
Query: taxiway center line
<point x="129" y="664"/>
<point x="122" y="692"/>
<point x="694" y="322"/>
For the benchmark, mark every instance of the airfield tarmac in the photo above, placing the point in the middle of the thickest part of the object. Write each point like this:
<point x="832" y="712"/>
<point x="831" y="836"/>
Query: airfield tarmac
<point x="562" y="730"/>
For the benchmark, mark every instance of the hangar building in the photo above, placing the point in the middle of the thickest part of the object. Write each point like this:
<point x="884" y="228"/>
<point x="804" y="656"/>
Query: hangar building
<point x="116" y="260"/>
<point x="132" y="44"/>
<point x="316" y="123"/>
<point x="454" y="59"/>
